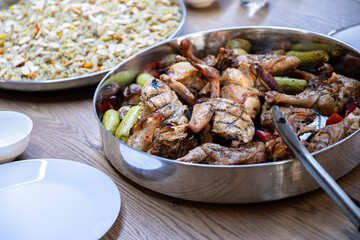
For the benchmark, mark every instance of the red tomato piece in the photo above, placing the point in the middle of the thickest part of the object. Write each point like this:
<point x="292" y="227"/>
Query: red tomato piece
<point x="350" y="108"/>
<point x="333" y="119"/>
<point x="264" y="135"/>
<point x="102" y="105"/>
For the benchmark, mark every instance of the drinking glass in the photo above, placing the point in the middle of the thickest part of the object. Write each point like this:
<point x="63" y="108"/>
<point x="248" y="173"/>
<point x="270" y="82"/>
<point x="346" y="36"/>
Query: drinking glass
<point x="253" y="5"/>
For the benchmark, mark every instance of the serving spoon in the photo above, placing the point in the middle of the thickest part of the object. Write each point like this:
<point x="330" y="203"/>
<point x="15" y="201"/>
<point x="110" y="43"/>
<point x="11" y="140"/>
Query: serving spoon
<point x="314" y="168"/>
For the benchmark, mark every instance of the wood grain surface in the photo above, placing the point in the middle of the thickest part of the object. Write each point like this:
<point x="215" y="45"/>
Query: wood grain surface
<point x="65" y="128"/>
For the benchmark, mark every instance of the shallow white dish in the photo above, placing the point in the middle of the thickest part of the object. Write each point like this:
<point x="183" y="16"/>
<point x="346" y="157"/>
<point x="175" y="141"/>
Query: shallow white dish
<point x="55" y="199"/>
<point x="15" y="129"/>
<point x="349" y="35"/>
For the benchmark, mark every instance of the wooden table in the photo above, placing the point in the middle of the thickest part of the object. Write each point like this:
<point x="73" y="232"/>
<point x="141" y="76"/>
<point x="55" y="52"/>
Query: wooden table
<point x="65" y="128"/>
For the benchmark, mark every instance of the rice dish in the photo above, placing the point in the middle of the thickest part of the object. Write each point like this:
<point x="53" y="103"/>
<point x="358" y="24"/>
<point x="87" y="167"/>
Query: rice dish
<point x="43" y="39"/>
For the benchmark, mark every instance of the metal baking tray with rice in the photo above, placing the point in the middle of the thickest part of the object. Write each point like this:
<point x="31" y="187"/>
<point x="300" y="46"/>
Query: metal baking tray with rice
<point x="191" y="117"/>
<point x="53" y="45"/>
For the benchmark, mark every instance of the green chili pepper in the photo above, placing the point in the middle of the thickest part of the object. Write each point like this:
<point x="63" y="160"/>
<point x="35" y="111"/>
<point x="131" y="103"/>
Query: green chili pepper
<point x="111" y="120"/>
<point x="310" y="58"/>
<point x="239" y="51"/>
<point x="330" y="49"/>
<point x="142" y="78"/>
<point x="238" y="43"/>
<point x="123" y="78"/>
<point x="123" y="130"/>
<point x="291" y="85"/>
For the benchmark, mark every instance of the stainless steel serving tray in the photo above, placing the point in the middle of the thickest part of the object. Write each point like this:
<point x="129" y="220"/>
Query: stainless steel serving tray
<point x="228" y="184"/>
<point x="72" y="82"/>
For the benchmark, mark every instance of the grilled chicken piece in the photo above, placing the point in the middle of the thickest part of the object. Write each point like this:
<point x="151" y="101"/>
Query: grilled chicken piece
<point x="180" y="89"/>
<point x="280" y="151"/>
<point x="330" y="97"/>
<point x="235" y="76"/>
<point x="331" y="134"/>
<point x="248" y="98"/>
<point x="277" y="65"/>
<point x="201" y="115"/>
<point x="232" y="121"/>
<point x="172" y="141"/>
<point x="158" y="97"/>
<point x="189" y="76"/>
<point x="212" y="153"/>
<point x="196" y="155"/>
<point x="298" y="118"/>
<point x="141" y="134"/>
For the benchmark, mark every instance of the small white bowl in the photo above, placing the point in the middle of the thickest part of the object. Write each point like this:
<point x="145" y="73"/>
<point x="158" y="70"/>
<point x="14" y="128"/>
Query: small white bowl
<point x="200" y="3"/>
<point x="15" y="129"/>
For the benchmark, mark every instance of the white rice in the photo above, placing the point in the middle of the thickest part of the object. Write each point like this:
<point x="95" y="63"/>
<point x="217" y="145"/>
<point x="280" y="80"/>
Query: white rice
<point x="44" y="39"/>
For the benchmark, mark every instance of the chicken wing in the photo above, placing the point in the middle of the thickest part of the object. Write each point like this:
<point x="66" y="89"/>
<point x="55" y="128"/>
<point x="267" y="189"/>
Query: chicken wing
<point x="328" y="98"/>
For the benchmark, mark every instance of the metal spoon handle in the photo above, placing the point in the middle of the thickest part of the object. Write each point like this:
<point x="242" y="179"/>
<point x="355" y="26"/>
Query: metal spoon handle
<point x="315" y="169"/>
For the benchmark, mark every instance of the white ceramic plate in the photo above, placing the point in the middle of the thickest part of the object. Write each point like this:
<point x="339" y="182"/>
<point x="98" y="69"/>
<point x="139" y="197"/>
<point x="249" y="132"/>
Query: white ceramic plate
<point x="55" y="199"/>
<point x="349" y="35"/>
